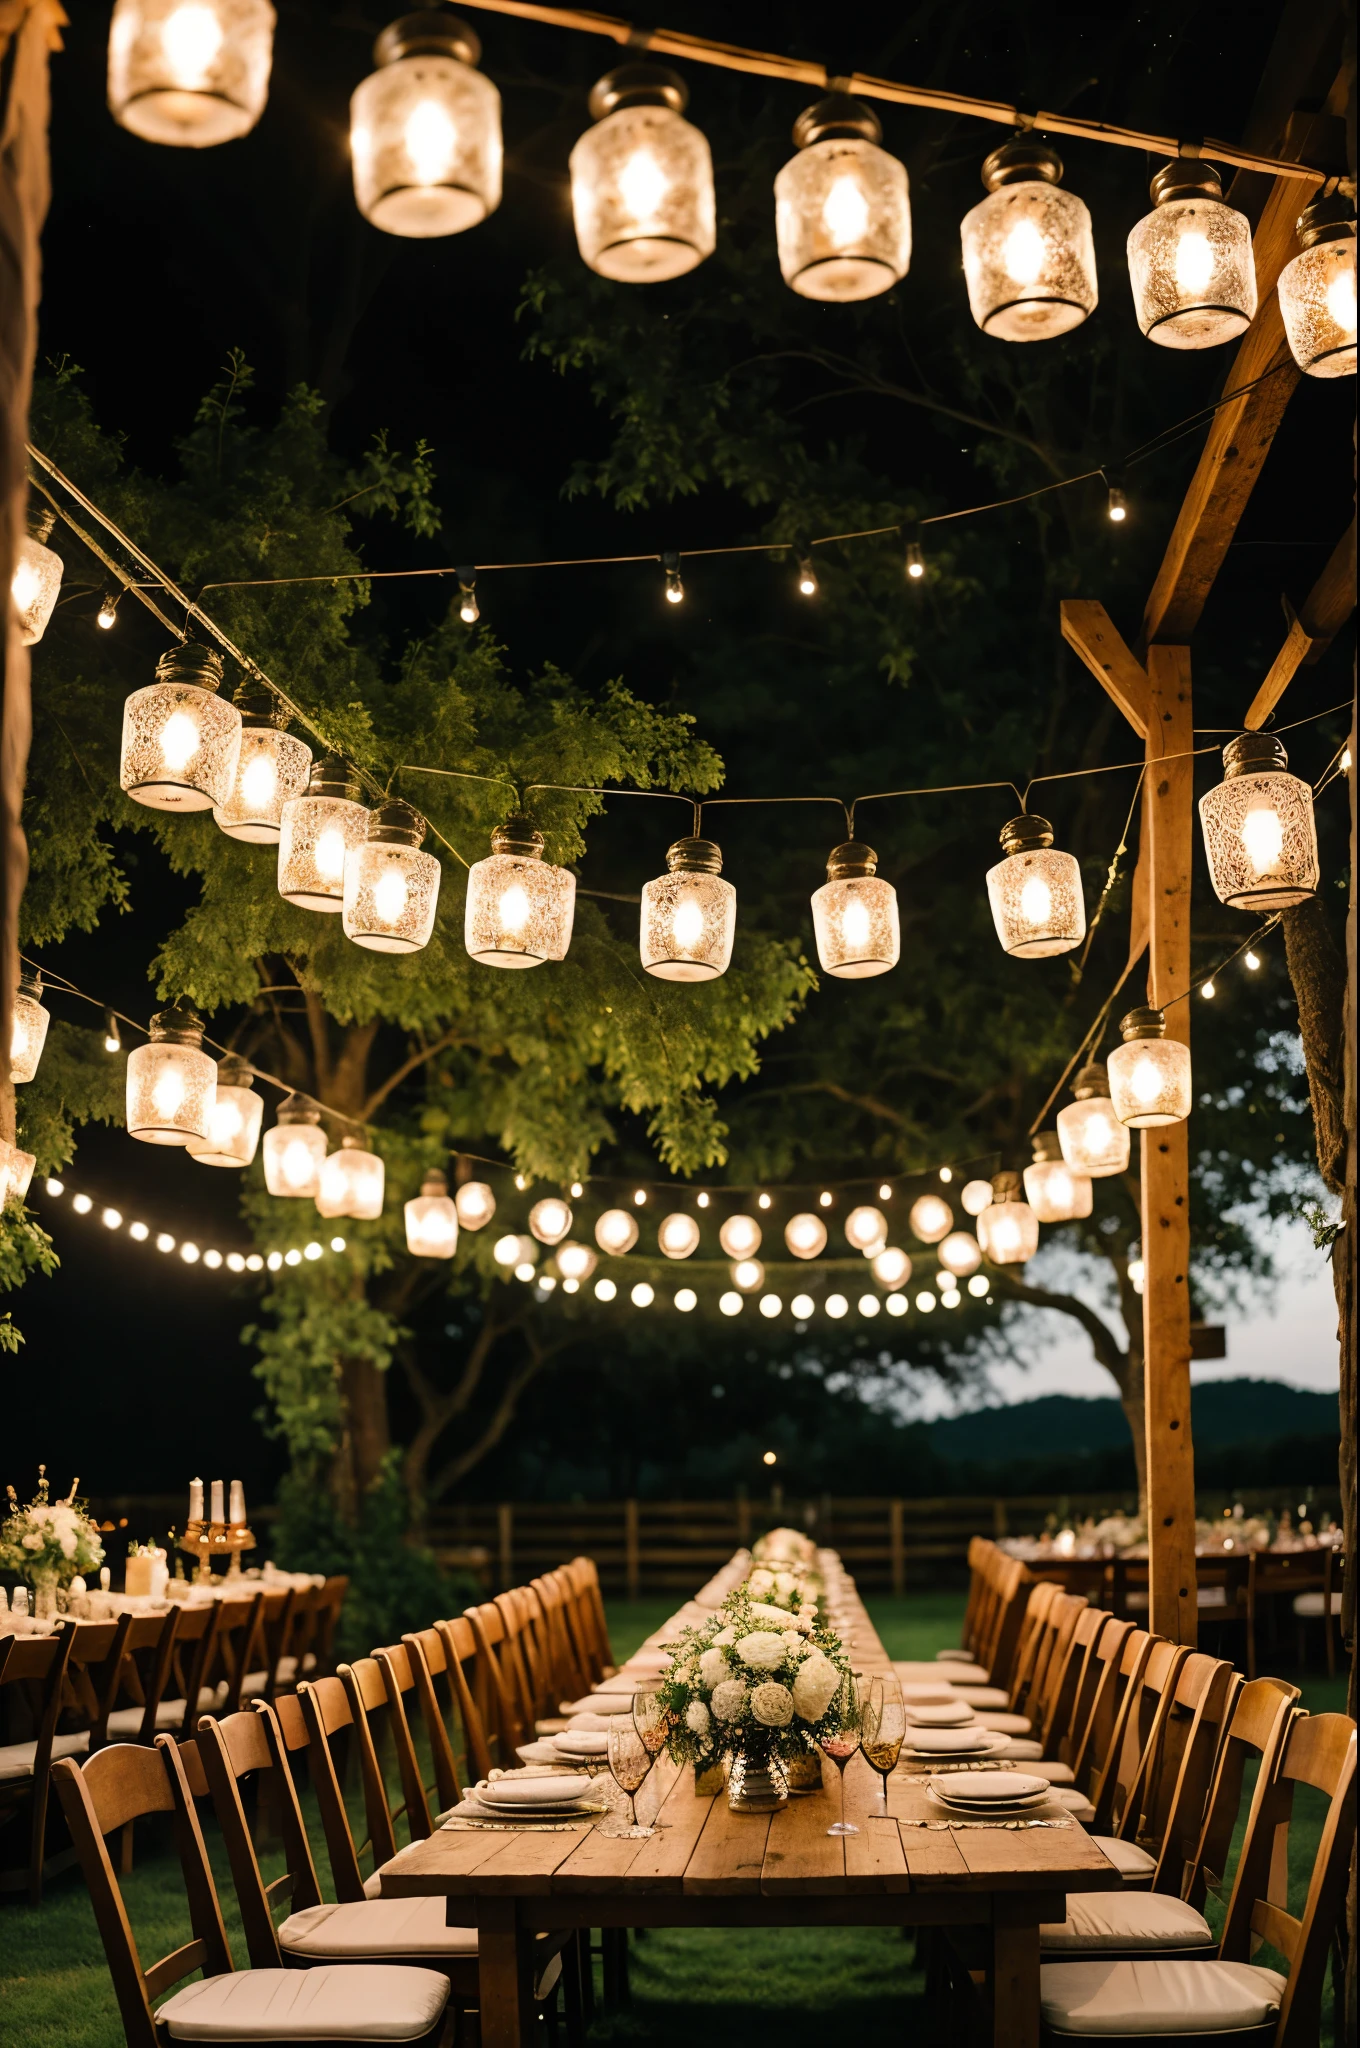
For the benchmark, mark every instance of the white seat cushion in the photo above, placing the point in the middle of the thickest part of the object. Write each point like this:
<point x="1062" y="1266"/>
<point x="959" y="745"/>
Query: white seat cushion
<point x="1125" y="1920"/>
<point x="361" y="2002"/>
<point x="1076" y="1803"/>
<point x="288" y="1667"/>
<point x="377" y="1927"/>
<point x="1019" y="1745"/>
<point x="1042" y="1767"/>
<point x="993" y="1696"/>
<point x="1129" y="1860"/>
<point x="953" y="1657"/>
<point x="1005" y="1724"/>
<point x="1309" y="1606"/>
<point x="1133" y="1999"/>
<point x="16" y="1758"/>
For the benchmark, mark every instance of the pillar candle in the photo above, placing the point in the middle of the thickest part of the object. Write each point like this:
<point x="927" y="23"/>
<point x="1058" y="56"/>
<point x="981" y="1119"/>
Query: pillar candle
<point x="238" y="1502"/>
<point x="195" y="1500"/>
<point x="217" y="1515"/>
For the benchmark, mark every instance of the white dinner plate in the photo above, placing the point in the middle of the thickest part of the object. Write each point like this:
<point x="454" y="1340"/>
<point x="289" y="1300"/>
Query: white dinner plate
<point x="582" y="1742"/>
<point x="994" y="1747"/>
<point x="962" y="1742"/>
<point x="535" y="1788"/>
<point x="994" y="1787"/>
<point x="957" y="1714"/>
<point x="978" y="1810"/>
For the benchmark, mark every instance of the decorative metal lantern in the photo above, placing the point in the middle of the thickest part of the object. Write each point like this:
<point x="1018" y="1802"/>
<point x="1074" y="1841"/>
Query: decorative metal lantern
<point x="740" y="1237"/>
<point x="317" y="831"/>
<point x="1317" y="290"/>
<point x="931" y="1218"/>
<point x="1008" y="1229"/>
<point x="233" y="1121"/>
<point x="475" y="1203"/>
<point x="748" y="1275"/>
<point x="1056" y="1192"/>
<point x="867" y="1230"/>
<point x="294" y="1149"/>
<point x="892" y="1267"/>
<point x="961" y="1253"/>
<point x="1190" y="261"/>
<point x="642" y="179"/>
<point x="976" y="1195"/>
<point x="805" y="1235"/>
<point x="575" y="1262"/>
<point x="171" y="1082"/>
<point x="842" y="217"/>
<point x="29" y="1020"/>
<point x="1036" y="897"/>
<point x="36" y="579"/>
<point x="391" y="887"/>
<point x="432" y="1220"/>
<point x="180" y="741"/>
<point x="1093" y="1140"/>
<point x="689" y="916"/>
<point x="519" y="906"/>
<point x="1028" y="257"/>
<point x="189" y="72"/>
<point x="271" y="766"/>
<point x="351" y="1183"/>
<point x="854" y="915"/>
<point x="1149" y="1073"/>
<point x="678" y="1235"/>
<point x="425" y="130"/>
<point x="550" y="1219"/>
<point x="1260" y="838"/>
<point x="616" y="1232"/>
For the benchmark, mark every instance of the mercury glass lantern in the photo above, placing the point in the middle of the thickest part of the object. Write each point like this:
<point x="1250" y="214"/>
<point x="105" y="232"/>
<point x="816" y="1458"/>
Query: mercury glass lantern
<point x="678" y="1235"/>
<point x="519" y="906"/>
<point x="189" y="72"/>
<point x="351" y="1183"/>
<point x="689" y="915"/>
<point x="391" y="887"/>
<point x="976" y="1195"/>
<point x="181" y="742"/>
<point x="1317" y="290"/>
<point x="1036" y="897"/>
<point x="1029" y="260"/>
<point x="740" y="1236"/>
<point x="425" y="130"/>
<point x="317" y="831"/>
<point x="1008" y="1229"/>
<point x="294" y="1149"/>
<point x="892" y="1267"/>
<point x="575" y="1262"/>
<point x="1190" y="261"/>
<point x="931" y="1218"/>
<point x="36" y="579"/>
<point x="1260" y="838"/>
<point x="866" y="1229"/>
<point x="1056" y="1192"/>
<point x="29" y="1019"/>
<point x="961" y="1254"/>
<point x="854" y="916"/>
<point x="1093" y="1140"/>
<point x="550" y="1219"/>
<point x="272" y="766"/>
<point x="1149" y="1073"/>
<point x="616" y="1232"/>
<point x="842" y="217"/>
<point x="171" y="1082"/>
<point x="233" y="1121"/>
<point x="475" y="1203"/>
<point x="432" y="1220"/>
<point x="805" y="1235"/>
<point x="642" y="179"/>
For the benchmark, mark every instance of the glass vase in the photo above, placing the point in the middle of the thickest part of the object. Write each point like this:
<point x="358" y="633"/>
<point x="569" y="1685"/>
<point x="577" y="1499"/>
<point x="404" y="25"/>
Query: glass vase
<point x="44" y="1584"/>
<point x="756" y="1783"/>
<point x="804" y="1773"/>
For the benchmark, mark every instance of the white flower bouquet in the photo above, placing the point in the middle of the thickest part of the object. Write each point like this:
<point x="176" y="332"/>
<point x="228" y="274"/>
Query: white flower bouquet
<point x="49" y="1540"/>
<point x="753" y="1680"/>
<point x="791" y="1587"/>
<point x="784" y="1547"/>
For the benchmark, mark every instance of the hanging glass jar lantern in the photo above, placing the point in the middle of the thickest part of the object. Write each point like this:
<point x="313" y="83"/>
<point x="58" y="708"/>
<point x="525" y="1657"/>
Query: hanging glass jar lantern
<point x="866" y="1229"/>
<point x="931" y="1218"/>
<point x="316" y="833"/>
<point x="475" y="1203"/>
<point x="689" y="916"/>
<point x="740" y="1236"/>
<point x="1260" y="838"/>
<point x="1149" y="1073"/>
<point x="233" y="1121"/>
<point x="391" y="887"/>
<point x="961" y="1254"/>
<point x="36" y="579"/>
<point x="1317" y="290"/>
<point x="842" y="217"/>
<point x="272" y="766"/>
<point x="854" y="915"/>
<point x="805" y="1235"/>
<point x="171" y="1082"/>
<point x="1028" y="257"/>
<point x="575" y="1262"/>
<point x="189" y="72"/>
<point x="1190" y="261"/>
<point x="678" y="1235"/>
<point x="1093" y="1140"/>
<point x="519" y="906"/>
<point x="180" y="741"/>
<point x="642" y="179"/>
<point x="432" y="1220"/>
<point x="1037" y="903"/>
<point x="351" y="1183"/>
<point x="425" y="130"/>
<point x="294" y="1149"/>
<point x="1056" y="1192"/>
<point x="19" y="1174"/>
<point x="28" y="1026"/>
<point x="616" y="1232"/>
<point x="550" y="1219"/>
<point x="892" y="1267"/>
<point x="1008" y="1229"/>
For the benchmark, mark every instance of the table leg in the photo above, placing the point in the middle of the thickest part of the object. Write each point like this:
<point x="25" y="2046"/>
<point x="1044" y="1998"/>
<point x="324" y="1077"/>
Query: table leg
<point x="505" y="1975"/>
<point x="1014" y="1973"/>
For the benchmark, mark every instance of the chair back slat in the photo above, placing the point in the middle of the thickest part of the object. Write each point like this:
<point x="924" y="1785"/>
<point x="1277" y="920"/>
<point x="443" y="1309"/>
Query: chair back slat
<point x="433" y="1658"/>
<point x="239" y="1747"/>
<point x="1256" y="1729"/>
<point x="327" y="1712"/>
<point x="1118" y="1808"/>
<point x="403" y="1701"/>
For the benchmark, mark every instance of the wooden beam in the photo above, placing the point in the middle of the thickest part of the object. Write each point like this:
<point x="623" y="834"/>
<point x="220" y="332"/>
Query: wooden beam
<point x="1091" y="633"/>
<point x="1290" y="658"/>
<point x="1168" y="819"/>
<point x="1326" y="609"/>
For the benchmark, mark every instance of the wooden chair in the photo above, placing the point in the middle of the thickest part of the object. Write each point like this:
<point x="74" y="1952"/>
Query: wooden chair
<point x="192" y="1654"/>
<point x="406" y="1679"/>
<point x="328" y="1606"/>
<point x="503" y="1710"/>
<point x="1323" y="1605"/>
<point x="272" y="1642"/>
<point x="1120" y="1664"/>
<point x="1058" y="1705"/>
<point x="586" y="1617"/>
<point x="148" y="1654"/>
<point x="92" y="1675"/>
<point x="568" y="1678"/>
<point x="35" y="1666"/>
<point x="439" y="1663"/>
<point x="266" y="2008"/>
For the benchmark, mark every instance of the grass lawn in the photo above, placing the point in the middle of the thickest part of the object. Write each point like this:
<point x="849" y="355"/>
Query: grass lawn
<point x="55" y="1990"/>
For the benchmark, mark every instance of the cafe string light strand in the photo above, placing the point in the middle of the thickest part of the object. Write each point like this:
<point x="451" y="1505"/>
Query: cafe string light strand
<point x="190" y="1252"/>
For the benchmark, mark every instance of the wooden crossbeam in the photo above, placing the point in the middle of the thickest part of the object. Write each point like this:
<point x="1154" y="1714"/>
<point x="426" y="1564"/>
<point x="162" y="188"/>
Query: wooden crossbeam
<point x="1326" y="609"/>
<point x="1091" y="633"/>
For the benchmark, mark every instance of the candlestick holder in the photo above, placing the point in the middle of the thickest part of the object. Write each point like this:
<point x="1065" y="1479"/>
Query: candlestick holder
<point x="206" y="1540"/>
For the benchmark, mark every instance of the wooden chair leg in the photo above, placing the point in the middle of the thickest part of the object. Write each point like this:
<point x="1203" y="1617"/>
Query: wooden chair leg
<point x="571" y="1994"/>
<point x="585" y="1969"/>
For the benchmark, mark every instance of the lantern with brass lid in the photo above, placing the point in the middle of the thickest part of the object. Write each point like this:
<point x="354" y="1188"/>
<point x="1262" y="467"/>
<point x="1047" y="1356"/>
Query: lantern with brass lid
<point x="1057" y="1193"/>
<point x="642" y="179"/>
<point x="272" y="766"/>
<point x="854" y="915"/>
<point x="425" y="130"/>
<point x="1028" y="256"/>
<point x="689" y="915"/>
<point x="1149" y="1073"/>
<point x="1093" y="1140"/>
<point x="234" y="1119"/>
<point x="1036" y="896"/>
<point x="36" y="578"/>
<point x="1317" y="290"/>
<point x="1260" y="838"/>
<point x="351" y="1183"/>
<point x="317" y="831"/>
<point x="842" y="217"/>
<point x="432" y="1220"/>
<point x="171" y="1081"/>
<point x="294" y="1149"/>
<point x="391" y="887"/>
<point x="1190" y="261"/>
<point x="180" y="741"/>
<point x="519" y="906"/>
<point x="190" y="73"/>
<point x="1008" y="1229"/>
<point x="29" y="1019"/>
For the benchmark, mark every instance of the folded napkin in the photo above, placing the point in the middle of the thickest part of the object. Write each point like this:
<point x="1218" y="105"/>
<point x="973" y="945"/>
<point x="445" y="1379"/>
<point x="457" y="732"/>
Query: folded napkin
<point x="929" y="1695"/>
<point x="949" y="1740"/>
<point x="601" y="1703"/>
<point x="955" y="1715"/>
<point x="534" y="1788"/>
<point x="591" y="1742"/>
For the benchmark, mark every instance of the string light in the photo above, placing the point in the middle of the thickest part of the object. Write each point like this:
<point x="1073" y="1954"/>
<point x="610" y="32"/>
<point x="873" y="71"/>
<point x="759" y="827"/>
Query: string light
<point x="762" y="1201"/>
<point x="801" y="1307"/>
<point x="1117" y="504"/>
<point x="180" y="741"/>
<point x="1149" y="1073"/>
<point x="740" y="1237"/>
<point x="520" y="908"/>
<point x="1190" y="261"/>
<point x="805" y="1235"/>
<point x="171" y="1081"/>
<point x="111" y="1218"/>
<point x="316" y="832"/>
<point x="1260" y="836"/>
<point x="675" y="589"/>
<point x="1035" y="893"/>
<point x="807" y="575"/>
<point x="1208" y="990"/>
<point x="730" y="1304"/>
<point x="107" y="615"/>
<point x="36" y="578"/>
<point x="431" y="1221"/>
<point x="468" y="609"/>
<point x="946" y="1174"/>
<point x="272" y="767"/>
<point x="825" y="1199"/>
<point x="28" y="1027"/>
<point x="913" y="555"/>
<point x="978" y="1286"/>
<point x="854" y="916"/>
<point x="1317" y="290"/>
<point x="112" y="1039"/>
<point x="686" y="1300"/>
<point x="689" y="915"/>
<point x="1251" y="961"/>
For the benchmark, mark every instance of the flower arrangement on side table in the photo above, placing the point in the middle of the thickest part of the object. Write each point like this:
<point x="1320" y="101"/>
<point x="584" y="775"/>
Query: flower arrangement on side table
<point x="48" y="1542"/>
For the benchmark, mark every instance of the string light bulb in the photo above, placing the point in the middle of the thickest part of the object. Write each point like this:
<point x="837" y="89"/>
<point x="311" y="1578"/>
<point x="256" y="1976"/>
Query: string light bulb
<point x="842" y="213"/>
<point x="892" y="1267"/>
<point x="29" y="1019"/>
<point x="294" y="1150"/>
<point x="1008" y="1229"/>
<point x="854" y="916"/>
<point x="190" y="73"/>
<point x="807" y="575"/>
<point x="272" y="767"/>
<point x="180" y="741"/>
<point x="1251" y="961"/>
<point x="689" y="915"/>
<point x="616" y="1232"/>
<point x="670" y="565"/>
<point x="475" y="1203"/>
<point x="805" y="1235"/>
<point x="960" y="1253"/>
<point x="113" y="1041"/>
<point x="391" y="886"/>
<point x="513" y="1250"/>
<point x="575" y="1262"/>
<point x="1149" y="1072"/>
<point x="1190" y="261"/>
<point x="1260" y="837"/>
<point x="107" y="615"/>
<point x="425" y="130"/>
<point x="351" y="1183"/>
<point x="740" y="1236"/>
<point x="1036" y="897"/>
<point x="550" y="1219"/>
<point x="469" y="611"/>
<point x="520" y="907"/>
<point x="976" y="1195"/>
<point x="1055" y="1191"/>
<point x="233" y="1120"/>
<point x="316" y="832"/>
<point x="1116" y="503"/>
<point x="678" y="1235"/>
<point x="1208" y="990"/>
<point x="1029" y="259"/>
<point x="1092" y="1138"/>
<point x="866" y="1230"/>
<point x="1317" y="290"/>
<point x="748" y="1275"/>
<point x="432" y="1220"/>
<point x="642" y="179"/>
<point x="171" y="1081"/>
<point x="913" y="554"/>
<point x="931" y="1218"/>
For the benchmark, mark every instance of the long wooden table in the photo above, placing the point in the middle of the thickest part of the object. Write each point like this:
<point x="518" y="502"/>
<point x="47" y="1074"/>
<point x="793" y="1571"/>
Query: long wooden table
<point x="710" y="1867"/>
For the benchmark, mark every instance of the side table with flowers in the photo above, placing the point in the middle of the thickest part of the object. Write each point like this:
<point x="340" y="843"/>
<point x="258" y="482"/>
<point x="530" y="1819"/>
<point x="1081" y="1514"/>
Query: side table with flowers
<point x="49" y="1543"/>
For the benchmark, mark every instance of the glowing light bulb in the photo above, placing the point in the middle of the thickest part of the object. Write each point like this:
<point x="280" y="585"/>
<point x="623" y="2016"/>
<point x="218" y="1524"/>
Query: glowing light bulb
<point x="686" y="1300"/>
<point x="856" y="923"/>
<point x="24" y="586"/>
<point x="390" y="894"/>
<point x="1341" y="299"/>
<point x="1251" y="961"/>
<point x="298" y="1164"/>
<point x="688" y="922"/>
<point x="802" y="1306"/>
<point x="1146" y="1083"/>
<point x="430" y="138"/>
<point x="1263" y="837"/>
<point x="514" y="908"/>
<point x="1036" y="901"/>
<point x="1022" y="252"/>
<point x="978" y="1286"/>
<point x="1208" y="990"/>
<point x="179" y="741"/>
<point x="1194" y="261"/>
<point x="167" y="1096"/>
<point x="107" y="615"/>
<point x="226" y="1122"/>
<point x="191" y="38"/>
<point x="643" y="185"/>
<point x="824" y="1199"/>
<point x="1099" y="1133"/>
<point x="259" y="780"/>
<point x="330" y="854"/>
<point x="845" y="213"/>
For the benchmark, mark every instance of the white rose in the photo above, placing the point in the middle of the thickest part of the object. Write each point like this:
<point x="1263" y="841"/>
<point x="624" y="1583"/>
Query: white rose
<point x="698" y="1720"/>
<point x="729" y="1699"/>
<point x="793" y="1642"/>
<point x="762" y="1650"/>
<point x="33" y="1541"/>
<point x="785" y="1584"/>
<point x="724" y="1637"/>
<point x="773" y="1617"/>
<point x="761" y="1582"/>
<point x="714" y="1667"/>
<point x="772" y="1705"/>
<point x="815" y="1686"/>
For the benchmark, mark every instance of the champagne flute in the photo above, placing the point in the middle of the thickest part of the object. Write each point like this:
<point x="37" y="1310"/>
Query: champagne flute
<point x="884" y="1728"/>
<point x="652" y="1720"/>
<point x="841" y="1741"/>
<point x="629" y="1764"/>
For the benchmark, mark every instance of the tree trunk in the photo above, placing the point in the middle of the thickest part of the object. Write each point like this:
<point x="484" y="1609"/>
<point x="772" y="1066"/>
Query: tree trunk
<point x="367" y="1438"/>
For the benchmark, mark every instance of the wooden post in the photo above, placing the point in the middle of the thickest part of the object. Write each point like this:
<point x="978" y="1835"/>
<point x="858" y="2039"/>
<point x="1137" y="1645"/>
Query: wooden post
<point x="505" y="1534"/>
<point x="899" y="1559"/>
<point x="1168" y="816"/>
<point x="632" y="1559"/>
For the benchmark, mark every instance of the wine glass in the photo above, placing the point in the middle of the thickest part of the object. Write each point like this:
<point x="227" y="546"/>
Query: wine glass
<point x="629" y="1764"/>
<point x="841" y="1740"/>
<point x="884" y="1727"/>
<point x="652" y="1720"/>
